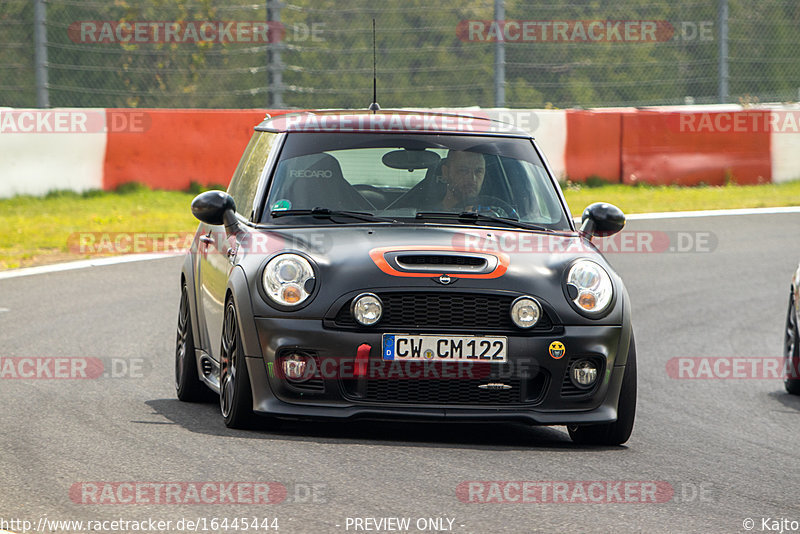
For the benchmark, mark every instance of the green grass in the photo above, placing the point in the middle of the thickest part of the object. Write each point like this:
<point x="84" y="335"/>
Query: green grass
<point x="646" y="199"/>
<point x="37" y="230"/>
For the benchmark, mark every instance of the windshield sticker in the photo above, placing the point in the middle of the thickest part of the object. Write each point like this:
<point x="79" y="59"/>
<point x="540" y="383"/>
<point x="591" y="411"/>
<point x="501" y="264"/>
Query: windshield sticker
<point x="282" y="205"/>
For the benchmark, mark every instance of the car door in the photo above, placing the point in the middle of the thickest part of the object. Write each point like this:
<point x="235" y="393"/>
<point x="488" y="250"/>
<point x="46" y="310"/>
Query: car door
<point x="217" y="251"/>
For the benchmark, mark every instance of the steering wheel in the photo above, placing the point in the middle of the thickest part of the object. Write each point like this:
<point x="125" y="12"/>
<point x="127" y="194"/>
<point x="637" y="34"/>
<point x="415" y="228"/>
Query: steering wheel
<point x="491" y="205"/>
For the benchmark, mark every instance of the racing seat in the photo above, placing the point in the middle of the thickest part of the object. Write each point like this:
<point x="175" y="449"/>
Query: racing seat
<point x="321" y="184"/>
<point x="425" y="195"/>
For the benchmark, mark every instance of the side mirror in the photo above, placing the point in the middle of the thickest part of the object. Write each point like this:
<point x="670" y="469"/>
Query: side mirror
<point x="602" y="219"/>
<point x="216" y="207"/>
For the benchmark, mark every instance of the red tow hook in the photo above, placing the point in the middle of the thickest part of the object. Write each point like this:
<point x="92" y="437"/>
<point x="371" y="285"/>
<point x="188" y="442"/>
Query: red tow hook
<point x="362" y="360"/>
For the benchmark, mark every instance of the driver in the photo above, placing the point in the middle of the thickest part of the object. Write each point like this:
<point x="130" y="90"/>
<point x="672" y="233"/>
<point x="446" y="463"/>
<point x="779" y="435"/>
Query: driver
<point x="463" y="174"/>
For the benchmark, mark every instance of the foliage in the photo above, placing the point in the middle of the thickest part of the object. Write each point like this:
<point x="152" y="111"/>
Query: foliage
<point x="422" y="61"/>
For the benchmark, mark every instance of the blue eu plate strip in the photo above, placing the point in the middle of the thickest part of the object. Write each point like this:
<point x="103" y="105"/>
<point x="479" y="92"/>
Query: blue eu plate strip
<point x="388" y="347"/>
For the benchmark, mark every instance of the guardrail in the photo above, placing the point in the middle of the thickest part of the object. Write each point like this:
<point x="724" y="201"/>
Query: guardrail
<point x="97" y="148"/>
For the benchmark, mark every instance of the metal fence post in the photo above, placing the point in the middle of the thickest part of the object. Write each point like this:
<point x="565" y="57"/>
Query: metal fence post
<point x="723" y="51"/>
<point x="274" y="64"/>
<point x="40" y="53"/>
<point x="499" y="56"/>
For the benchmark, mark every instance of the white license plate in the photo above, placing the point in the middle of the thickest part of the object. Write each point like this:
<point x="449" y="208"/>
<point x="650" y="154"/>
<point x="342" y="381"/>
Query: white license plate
<point x="427" y="347"/>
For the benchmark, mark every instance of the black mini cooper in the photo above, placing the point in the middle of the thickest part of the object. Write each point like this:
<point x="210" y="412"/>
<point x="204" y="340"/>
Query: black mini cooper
<point x="407" y="266"/>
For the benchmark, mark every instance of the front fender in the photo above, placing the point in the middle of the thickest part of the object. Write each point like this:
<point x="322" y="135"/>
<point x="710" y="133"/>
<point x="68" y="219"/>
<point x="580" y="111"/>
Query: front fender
<point x="239" y="289"/>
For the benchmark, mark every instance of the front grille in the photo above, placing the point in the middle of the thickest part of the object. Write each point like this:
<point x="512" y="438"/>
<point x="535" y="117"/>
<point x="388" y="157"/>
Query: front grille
<point x="448" y="392"/>
<point x="406" y="310"/>
<point x="425" y="259"/>
<point x="452" y="391"/>
<point x="312" y="384"/>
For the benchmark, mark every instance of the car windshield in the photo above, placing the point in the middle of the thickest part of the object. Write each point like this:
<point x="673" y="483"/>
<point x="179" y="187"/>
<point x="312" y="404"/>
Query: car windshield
<point x="412" y="178"/>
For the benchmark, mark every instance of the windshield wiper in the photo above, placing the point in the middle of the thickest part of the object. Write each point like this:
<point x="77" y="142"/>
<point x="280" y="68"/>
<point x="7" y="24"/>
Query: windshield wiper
<point x="474" y="216"/>
<point x="325" y="213"/>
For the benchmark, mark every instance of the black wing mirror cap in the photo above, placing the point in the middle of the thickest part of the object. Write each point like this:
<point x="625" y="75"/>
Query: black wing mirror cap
<point x="211" y="207"/>
<point x="602" y="219"/>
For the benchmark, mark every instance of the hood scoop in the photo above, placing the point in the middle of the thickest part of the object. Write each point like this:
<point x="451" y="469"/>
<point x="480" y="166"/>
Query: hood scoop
<point x="440" y="261"/>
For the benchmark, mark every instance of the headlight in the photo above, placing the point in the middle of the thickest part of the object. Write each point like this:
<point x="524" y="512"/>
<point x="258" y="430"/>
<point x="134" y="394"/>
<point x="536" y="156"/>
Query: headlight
<point x="288" y="279"/>
<point x="367" y="309"/>
<point x="589" y="287"/>
<point x="525" y="312"/>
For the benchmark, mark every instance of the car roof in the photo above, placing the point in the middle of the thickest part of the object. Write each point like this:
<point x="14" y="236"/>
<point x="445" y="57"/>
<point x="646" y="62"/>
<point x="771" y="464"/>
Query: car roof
<point x="389" y="121"/>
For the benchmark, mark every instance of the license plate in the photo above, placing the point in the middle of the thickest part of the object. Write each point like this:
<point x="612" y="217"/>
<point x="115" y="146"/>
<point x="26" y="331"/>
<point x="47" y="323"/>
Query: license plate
<point x="406" y="347"/>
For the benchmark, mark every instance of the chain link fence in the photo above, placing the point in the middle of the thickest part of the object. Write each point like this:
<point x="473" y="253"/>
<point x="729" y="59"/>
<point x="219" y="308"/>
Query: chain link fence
<point x="319" y="53"/>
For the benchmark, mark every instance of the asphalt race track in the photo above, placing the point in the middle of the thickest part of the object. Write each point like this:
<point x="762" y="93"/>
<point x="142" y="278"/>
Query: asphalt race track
<point x="727" y="448"/>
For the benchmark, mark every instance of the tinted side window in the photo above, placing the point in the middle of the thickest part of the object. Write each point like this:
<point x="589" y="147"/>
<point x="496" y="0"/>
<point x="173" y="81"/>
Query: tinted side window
<point x="245" y="180"/>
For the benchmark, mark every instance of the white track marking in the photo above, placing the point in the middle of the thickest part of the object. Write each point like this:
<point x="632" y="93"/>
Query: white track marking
<point x="712" y="213"/>
<point x="81" y="264"/>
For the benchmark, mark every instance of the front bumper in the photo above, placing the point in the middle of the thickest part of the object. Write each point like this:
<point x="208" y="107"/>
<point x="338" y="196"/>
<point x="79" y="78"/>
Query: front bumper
<point x="339" y="396"/>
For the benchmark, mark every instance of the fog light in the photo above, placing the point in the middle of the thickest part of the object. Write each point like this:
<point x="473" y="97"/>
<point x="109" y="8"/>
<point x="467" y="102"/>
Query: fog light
<point x="297" y="367"/>
<point x="525" y="312"/>
<point x="584" y="373"/>
<point x="367" y="309"/>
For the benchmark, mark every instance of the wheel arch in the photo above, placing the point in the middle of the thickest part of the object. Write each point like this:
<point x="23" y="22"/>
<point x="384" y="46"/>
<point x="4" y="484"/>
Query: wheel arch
<point x="188" y="278"/>
<point x="239" y="290"/>
<point x="626" y="335"/>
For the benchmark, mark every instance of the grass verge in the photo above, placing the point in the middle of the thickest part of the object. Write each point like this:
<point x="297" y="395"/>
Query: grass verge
<point x="645" y="199"/>
<point x="40" y="230"/>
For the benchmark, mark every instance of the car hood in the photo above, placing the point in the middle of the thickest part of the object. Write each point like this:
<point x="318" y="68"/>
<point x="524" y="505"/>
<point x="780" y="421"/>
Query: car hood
<point x="356" y="258"/>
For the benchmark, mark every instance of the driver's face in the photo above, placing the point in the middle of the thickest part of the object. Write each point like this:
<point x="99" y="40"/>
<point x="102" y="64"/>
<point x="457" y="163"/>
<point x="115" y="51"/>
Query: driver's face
<point x="464" y="173"/>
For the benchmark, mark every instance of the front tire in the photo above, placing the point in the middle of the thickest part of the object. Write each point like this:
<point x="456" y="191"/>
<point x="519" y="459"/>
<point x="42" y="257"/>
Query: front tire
<point x="619" y="431"/>
<point x="187" y="383"/>
<point x="235" y="393"/>
<point x="791" y="351"/>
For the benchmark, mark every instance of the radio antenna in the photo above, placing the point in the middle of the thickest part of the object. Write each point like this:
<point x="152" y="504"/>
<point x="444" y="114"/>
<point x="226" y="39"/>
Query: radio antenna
<point x="374" y="107"/>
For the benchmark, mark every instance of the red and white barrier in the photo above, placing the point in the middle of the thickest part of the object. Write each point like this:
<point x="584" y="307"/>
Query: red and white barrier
<point x="44" y="150"/>
<point x="81" y="148"/>
<point x="785" y="142"/>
